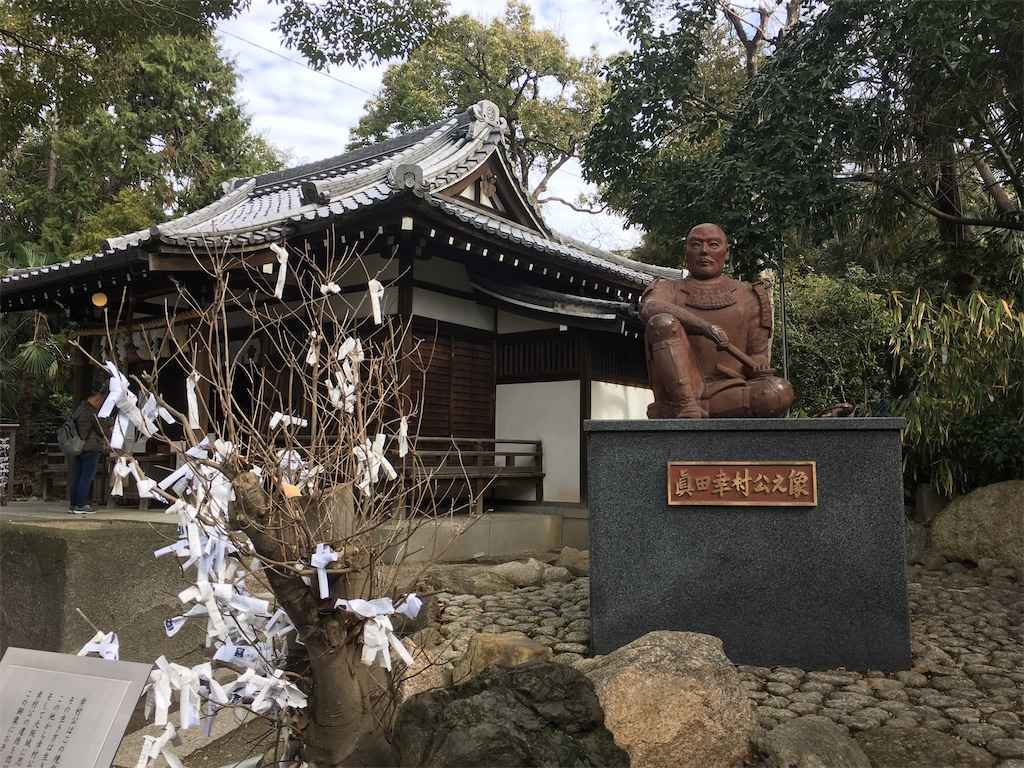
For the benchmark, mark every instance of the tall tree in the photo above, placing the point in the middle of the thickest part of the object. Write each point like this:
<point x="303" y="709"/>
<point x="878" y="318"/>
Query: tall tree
<point x="157" y="145"/>
<point x="549" y="97"/>
<point x="53" y="53"/>
<point x="917" y="101"/>
<point x="356" y="31"/>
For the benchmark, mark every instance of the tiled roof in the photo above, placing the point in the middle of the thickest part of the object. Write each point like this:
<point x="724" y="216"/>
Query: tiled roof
<point x="267" y="207"/>
<point x="615" y="267"/>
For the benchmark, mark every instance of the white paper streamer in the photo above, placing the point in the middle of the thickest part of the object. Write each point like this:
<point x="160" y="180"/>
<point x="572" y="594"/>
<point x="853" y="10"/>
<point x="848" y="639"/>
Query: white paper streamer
<point x="378" y="634"/>
<point x="153" y="747"/>
<point x="320" y="559"/>
<point x="241" y="655"/>
<point x="376" y="289"/>
<point x="282" y="272"/>
<point x="191" y="382"/>
<point x="116" y="386"/>
<point x="265" y="692"/>
<point x="313" y="356"/>
<point x="150" y="411"/>
<point x="403" y="437"/>
<point x="279" y="624"/>
<point x="105" y="644"/>
<point x="286" y="421"/>
<point x="121" y="471"/>
<point x="372" y="460"/>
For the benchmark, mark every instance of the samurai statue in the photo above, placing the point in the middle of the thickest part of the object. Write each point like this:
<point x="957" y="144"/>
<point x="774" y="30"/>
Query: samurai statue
<point x="709" y="339"/>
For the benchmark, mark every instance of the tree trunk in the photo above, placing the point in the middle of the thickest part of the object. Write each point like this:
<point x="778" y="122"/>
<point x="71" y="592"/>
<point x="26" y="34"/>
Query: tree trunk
<point x="947" y="196"/>
<point x="52" y="161"/>
<point x="348" y="701"/>
<point x="992" y="185"/>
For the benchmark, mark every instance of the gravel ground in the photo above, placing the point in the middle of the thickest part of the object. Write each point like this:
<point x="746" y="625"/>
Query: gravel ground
<point x="968" y="657"/>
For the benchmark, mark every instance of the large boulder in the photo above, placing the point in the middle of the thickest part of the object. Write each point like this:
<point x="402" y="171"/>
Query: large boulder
<point x="507" y="649"/>
<point x="463" y="580"/>
<point x="810" y="742"/>
<point x="541" y="714"/>
<point x="890" y="747"/>
<point x="673" y="700"/>
<point x="529" y="573"/>
<point x="986" y="523"/>
<point x="428" y="671"/>
<point x="576" y="560"/>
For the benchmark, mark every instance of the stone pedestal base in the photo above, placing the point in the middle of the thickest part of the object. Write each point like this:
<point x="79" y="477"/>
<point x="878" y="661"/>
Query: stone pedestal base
<point x="814" y="587"/>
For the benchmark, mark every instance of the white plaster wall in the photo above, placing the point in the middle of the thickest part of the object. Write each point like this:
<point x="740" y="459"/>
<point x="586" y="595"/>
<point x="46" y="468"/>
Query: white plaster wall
<point x="618" y="401"/>
<point x="451" y="309"/>
<point x="548" y="411"/>
<point x="510" y="323"/>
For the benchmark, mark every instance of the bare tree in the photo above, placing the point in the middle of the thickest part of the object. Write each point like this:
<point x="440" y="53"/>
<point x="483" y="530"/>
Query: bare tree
<point x="298" y="472"/>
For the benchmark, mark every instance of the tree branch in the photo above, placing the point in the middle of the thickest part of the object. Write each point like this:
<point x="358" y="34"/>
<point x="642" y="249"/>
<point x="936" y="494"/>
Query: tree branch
<point x="574" y="206"/>
<point x="968" y="221"/>
<point x="552" y="169"/>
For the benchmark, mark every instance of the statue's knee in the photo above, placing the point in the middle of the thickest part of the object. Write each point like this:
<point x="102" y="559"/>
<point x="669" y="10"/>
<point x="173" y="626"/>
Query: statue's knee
<point x="770" y="396"/>
<point x="663" y="326"/>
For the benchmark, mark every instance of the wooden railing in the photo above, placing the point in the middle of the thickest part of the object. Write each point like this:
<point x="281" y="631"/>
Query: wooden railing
<point x="466" y="466"/>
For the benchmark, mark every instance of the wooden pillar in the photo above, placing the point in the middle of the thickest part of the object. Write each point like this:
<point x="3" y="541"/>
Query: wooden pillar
<point x="586" y="372"/>
<point x="203" y="368"/>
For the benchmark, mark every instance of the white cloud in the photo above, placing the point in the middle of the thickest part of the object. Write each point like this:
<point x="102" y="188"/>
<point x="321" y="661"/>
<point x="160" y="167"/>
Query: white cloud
<point x="310" y="114"/>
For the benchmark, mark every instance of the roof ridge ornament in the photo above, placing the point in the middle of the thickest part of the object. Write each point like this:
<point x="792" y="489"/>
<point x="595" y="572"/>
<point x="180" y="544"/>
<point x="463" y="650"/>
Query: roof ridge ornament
<point x="486" y="117"/>
<point x="407" y="176"/>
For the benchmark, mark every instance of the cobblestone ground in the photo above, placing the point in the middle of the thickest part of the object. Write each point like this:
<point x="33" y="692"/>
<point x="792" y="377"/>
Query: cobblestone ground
<point x="967" y="678"/>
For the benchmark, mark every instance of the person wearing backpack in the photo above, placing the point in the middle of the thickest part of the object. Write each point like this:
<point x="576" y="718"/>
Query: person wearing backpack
<point x="91" y="444"/>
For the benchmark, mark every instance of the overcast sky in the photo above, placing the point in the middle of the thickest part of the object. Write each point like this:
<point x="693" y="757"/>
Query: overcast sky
<point x="310" y="115"/>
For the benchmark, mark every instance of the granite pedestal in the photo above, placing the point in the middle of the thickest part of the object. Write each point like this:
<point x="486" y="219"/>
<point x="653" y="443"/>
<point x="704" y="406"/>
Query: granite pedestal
<point x="812" y="587"/>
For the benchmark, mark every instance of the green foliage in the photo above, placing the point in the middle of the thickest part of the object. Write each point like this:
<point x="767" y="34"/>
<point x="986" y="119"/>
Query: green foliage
<point x="838" y="337"/>
<point x="55" y="54"/>
<point x="990" y="448"/>
<point x="158" y="146"/>
<point x="864" y="101"/>
<point x="549" y="97"/>
<point x="356" y="31"/>
<point x="965" y="358"/>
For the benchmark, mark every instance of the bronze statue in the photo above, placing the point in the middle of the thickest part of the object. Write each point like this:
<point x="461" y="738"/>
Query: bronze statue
<point x="709" y="339"/>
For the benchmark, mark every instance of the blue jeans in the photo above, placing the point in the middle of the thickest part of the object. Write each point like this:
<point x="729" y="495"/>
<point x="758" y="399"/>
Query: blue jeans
<point x="83" y="471"/>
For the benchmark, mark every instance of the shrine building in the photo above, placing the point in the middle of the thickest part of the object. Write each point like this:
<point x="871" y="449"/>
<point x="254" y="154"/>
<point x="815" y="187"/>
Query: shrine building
<point x="530" y="332"/>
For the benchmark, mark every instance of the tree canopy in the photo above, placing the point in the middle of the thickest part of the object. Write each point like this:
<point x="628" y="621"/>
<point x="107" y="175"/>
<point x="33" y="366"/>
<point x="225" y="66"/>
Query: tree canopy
<point x="357" y="31"/>
<point x="549" y="97"/>
<point x="154" y="133"/>
<point x="916" y="103"/>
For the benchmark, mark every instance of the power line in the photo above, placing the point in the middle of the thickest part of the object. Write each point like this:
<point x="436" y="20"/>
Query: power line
<point x="264" y="48"/>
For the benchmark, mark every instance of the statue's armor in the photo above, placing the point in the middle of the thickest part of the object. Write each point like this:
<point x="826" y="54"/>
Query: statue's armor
<point x="689" y="372"/>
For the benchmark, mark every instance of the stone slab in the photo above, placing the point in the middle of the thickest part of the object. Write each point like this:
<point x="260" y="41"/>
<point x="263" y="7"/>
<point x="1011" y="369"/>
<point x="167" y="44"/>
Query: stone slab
<point x="76" y="707"/>
<point x="815" y="588"/>
<point x="50" y="567"/>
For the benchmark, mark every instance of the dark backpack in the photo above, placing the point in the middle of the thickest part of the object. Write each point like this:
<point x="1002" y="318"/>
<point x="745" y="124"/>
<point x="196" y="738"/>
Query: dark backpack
<point x="68" y="439"/>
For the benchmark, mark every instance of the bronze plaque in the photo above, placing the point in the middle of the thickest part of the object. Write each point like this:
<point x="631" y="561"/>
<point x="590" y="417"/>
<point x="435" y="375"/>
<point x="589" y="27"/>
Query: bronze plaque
<point x="742" y="484"/>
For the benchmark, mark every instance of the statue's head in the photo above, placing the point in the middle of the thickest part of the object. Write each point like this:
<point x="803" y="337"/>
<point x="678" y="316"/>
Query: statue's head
<point x="707" y="248"/>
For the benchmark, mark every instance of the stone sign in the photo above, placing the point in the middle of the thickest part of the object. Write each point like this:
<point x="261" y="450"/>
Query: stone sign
<point x="742" y="484"/>
<point x="60" y="711"/>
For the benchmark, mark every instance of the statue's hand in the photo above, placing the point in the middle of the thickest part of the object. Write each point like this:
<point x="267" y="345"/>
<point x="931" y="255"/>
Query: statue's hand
<point x="717" y="335"/>
<point x="761" y="370"/>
